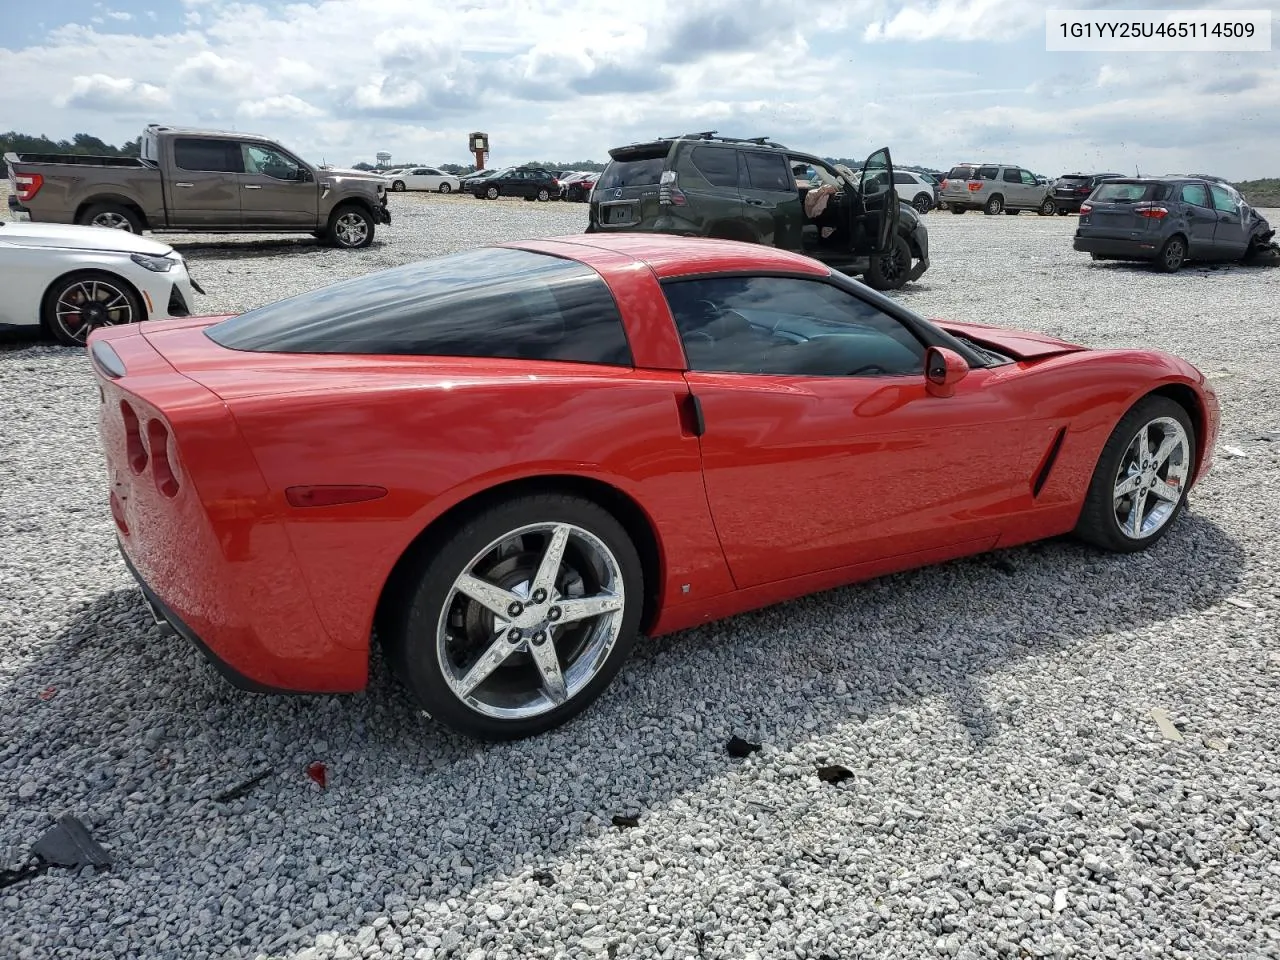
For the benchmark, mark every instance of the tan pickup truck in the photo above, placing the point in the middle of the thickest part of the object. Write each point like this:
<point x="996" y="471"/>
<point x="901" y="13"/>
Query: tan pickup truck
<point x="200" y="181"/>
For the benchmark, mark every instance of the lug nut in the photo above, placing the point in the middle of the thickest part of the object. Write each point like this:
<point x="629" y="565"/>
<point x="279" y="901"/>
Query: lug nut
<point x="515" y="636"/>
<point x="515" y="608"/>
<point x="539" y="639"/>
<point x="539" y="595"/>
<point x="553" y="614"/>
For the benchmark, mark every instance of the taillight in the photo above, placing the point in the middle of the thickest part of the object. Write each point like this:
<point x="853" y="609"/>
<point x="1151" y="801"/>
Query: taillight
<point x="1084" y="190"/>
<point x="1152" y="211"/>
<point x="27" y="185"/>
<point x="975" y="186"/>
<point x="669" y="193"/>
<point x="1085" y="209"/>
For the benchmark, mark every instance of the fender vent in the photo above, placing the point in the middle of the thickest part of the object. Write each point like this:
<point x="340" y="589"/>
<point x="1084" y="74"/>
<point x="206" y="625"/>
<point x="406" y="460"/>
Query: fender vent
<point x="1042" y="475"/>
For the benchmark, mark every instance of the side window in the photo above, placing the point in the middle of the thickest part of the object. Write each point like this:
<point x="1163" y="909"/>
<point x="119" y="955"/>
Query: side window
<point x="1196" y="195"/>
<point x="1028" y="178"/>
<point x="269" y="163"/>
<point x="985" y="173"/>
<point x="788" y="326"/>
<point x="718" y="166"/>
<point x="1223" y="200"/>
<point x="207" y="156"/>
<point x="899" y="177"/>
<point x="768" y="171"/>
<point x="1012" y="175"/>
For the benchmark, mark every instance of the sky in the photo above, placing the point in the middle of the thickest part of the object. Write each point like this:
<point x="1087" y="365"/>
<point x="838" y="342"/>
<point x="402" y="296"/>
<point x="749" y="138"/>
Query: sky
<point x="937" y="81"/>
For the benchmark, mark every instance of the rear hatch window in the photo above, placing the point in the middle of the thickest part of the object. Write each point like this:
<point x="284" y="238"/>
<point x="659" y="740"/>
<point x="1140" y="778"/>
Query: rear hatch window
<point x="634" y="166"/>
<point x="491" y="302"/>
<point x="1125" y="192"/>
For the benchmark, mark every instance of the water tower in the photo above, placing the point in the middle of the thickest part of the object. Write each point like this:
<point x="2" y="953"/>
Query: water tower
<point x="383" y="159"/>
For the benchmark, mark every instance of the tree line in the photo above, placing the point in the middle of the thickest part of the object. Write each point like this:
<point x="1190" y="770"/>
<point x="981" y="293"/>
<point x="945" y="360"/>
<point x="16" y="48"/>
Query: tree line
<point x="82" y="144"/>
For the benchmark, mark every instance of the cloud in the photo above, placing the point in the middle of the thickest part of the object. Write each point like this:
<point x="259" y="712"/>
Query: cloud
<point x="210" y="70"/>
<point x="120" y="95"/>
<point x="119" y="15"/>
<point x="284" y="107"/>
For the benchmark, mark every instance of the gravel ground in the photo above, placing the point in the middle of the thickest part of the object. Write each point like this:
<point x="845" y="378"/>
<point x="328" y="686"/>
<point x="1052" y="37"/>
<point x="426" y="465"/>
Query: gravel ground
<point x="1010" y="792"/>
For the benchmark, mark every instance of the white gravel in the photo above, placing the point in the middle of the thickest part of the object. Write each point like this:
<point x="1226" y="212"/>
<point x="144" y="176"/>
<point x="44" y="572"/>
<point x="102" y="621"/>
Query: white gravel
<point x="1011" y="794"/>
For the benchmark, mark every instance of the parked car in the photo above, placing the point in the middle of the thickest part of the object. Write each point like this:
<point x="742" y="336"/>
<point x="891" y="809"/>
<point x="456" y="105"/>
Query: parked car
<point x="996" y="188"/>
<point x="423" y="178"/>
<point x="200" y="181"/>
<point x="1072" y="189"/>
<point x="530" y="183"/>
<point x="915" y="190"/>
<point x="758" y="191"/>
<point x="1169" y="221"/>
<point x="467" y="180"/>
<point x="577" y="188"/>
<point x="70" y="280"/>
<point x="515" y="459"/>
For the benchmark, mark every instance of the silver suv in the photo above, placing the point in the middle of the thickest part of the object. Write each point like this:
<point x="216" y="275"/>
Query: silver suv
<point x="996" y="188"/>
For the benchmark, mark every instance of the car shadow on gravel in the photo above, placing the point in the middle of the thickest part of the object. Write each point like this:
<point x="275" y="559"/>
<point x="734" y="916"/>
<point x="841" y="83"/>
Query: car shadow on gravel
<point x="268" y="247"/>
<point x="133" y="732"/>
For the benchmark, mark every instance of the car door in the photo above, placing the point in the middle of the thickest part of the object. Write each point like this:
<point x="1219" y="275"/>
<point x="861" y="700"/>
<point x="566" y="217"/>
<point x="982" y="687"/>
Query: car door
<point x="1201" y="219"/>
<point x="875" y="212"/>
<point x="770" y="199"/>
<point x="1011" y="186"/>
<point x="905" y="185"/>
<point x="1033" y="191"/>
<point x="821" y="447"/>
<point x="708" y="177"/>
<point x="204" y="189"/>
<point x="1230" y="235"/>
<point x="276" y="189"/>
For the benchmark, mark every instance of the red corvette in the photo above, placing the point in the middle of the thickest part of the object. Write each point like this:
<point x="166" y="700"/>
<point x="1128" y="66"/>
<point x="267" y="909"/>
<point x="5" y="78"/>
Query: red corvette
<point x="512" y="461"/>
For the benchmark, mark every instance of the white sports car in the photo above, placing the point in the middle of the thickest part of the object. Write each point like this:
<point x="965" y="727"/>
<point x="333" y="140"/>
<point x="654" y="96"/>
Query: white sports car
<point x="69" y="279"/>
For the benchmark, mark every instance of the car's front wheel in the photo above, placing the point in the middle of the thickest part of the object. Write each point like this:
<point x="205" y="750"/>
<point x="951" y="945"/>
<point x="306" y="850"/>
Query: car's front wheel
<point x="922" y="202"/>
<point x="445" y="188"/>
<point x="889" y="272"/>
<point x="350" y="227"/>
<point x="492" y="193"/>
<point x="519" y="618"/>
<point x="74" y="305"/>
<point x="398" y="186"/>
<point x="1140" y="483"/>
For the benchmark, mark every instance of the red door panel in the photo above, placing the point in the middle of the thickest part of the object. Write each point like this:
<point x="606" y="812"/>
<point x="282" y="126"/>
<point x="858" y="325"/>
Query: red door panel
<point x="809" y="473"/>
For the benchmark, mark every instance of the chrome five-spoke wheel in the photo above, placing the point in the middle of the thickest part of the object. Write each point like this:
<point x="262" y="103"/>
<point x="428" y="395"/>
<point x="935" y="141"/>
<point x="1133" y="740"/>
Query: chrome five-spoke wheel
<point x="1151" y="478"/>
<point x="1141" y="480"/>
<point x="530" y="620"/>
<point x="517" y="619"/>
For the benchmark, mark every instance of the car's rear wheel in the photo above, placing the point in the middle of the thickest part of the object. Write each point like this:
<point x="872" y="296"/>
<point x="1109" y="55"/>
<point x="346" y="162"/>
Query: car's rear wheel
<point x="994" y="206"/>
<point x="1172" y="255"/>
<point x="78" y="303"/>
<point x="492" y="193"/>
<point x="889" y="272"/>
<point x="520" y="618"/>
<point x="1048" y="208"/>
<point x="1140" y="484"/>
<point x="351" y="227"/>
<point x="113" y="216"/>
<point x="445" y="188"/>
<point x="922" y="202"/>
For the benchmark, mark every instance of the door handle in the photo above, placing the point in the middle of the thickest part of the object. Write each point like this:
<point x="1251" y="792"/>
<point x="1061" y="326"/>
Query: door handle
<point x="756" y="203"/>
<point x="253" y="186"/>
<point x="184" y="184"/>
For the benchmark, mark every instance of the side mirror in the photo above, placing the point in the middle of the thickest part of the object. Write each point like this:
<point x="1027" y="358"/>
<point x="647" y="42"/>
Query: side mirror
<point x="943" y="369"/>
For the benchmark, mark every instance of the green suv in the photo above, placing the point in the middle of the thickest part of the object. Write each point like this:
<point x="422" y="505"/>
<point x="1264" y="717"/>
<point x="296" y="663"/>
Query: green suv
<point x="758" y="191"/>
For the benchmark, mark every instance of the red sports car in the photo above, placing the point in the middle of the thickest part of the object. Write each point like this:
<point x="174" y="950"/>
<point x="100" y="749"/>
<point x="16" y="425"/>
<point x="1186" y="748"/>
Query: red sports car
<point x="514" y="460"/>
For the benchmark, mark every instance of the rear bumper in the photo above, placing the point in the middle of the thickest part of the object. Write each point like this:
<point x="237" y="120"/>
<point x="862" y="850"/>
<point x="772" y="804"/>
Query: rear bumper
<point x="1113" y="247"/>
<point x="1069" y="204"/>
<point x="170" y="622"/>
<point x="16" y="210"/>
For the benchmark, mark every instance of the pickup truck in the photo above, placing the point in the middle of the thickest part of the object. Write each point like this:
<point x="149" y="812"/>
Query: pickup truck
<point x="200" y="181"/>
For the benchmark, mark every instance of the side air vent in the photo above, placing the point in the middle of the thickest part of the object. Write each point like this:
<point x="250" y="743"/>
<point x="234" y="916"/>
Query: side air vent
<point x="134" y="447"/>
<point x="1046" y="465"/>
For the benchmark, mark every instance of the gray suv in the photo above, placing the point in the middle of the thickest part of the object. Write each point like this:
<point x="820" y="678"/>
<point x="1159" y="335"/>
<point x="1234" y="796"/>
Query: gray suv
<point x="996" y="188"/>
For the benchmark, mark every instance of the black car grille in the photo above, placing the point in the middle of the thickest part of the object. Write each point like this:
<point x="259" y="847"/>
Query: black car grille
<point x="177" y="305"/>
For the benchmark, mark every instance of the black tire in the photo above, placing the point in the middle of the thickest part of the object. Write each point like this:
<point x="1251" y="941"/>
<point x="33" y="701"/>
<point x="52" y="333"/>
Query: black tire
<point x="422" y="591"/>
<point x="398" y="186"/>
<point x="1098" y="523"/>
<point x="1172" y="255"/>
<point x="80" y="286"/>
<point x="922" y="202"/>
<point x="955" y="209"/>
<point x="351" y="227"/>
<point x="492" y="193"/>
<point x="889" y="272"/>
<point x="445" y="188"/>
<point x="1048" y="207"/>
<point x="543" y="194"/>
<point x="115" y="216"/>
<point x="994" y="206"/>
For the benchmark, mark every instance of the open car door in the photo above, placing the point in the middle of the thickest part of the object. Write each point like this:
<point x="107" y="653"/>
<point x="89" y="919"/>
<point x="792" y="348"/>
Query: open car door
<point x="878" y="206"/>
